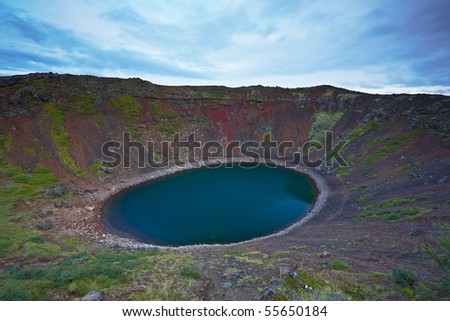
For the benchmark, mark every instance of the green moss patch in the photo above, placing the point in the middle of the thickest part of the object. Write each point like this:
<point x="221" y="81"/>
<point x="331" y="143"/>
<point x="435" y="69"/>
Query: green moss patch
<point x="159" y="111"/>
<point x="84" y="105"/>
<point x="96" y="169"/>
<point x="40" y="250"/>
<point x="357" y="188"/>
<point x="342" y="171"/>
<point x="55" y="115"/>
<point x="39" y="176"/>
<point x="340" y="265"/>
<point x="364" y="198"/>
<point x="393" y="202"/>
<point x="391" y="146"/>
<point x="323" y="121"/>
<point x="392" y="216"/>
<point x="384" y="210"/>
<point x="361" y="129"/>
<point x="129" y="109"/>
<point x="168" y="128"/>
<point x="211" y="93"/>
<point x="404" y="277"/>
<point x="78" y="274"/>
<point x="190" y="272"/>
<point x="170" y="277"/>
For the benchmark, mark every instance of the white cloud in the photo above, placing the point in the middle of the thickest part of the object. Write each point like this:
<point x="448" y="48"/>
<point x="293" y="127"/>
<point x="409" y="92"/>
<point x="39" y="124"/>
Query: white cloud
<point x="403" y="89"/>
<point x="350" y="44"/>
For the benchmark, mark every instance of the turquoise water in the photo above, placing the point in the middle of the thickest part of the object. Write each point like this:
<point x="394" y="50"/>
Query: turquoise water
<point x="204" y="206"/>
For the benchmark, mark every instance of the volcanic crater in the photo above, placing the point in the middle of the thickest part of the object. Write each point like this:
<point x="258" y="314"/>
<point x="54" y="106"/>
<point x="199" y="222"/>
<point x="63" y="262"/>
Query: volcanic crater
<point x="386" y="212"/>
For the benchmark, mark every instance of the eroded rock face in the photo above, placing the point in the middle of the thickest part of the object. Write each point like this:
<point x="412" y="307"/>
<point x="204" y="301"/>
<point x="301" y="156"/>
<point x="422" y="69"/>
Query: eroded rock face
<point x="92" y="110"/>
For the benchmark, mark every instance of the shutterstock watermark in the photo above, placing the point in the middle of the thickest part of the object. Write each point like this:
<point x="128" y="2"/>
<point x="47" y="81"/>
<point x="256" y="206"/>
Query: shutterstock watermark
<point x="191" y="152"/>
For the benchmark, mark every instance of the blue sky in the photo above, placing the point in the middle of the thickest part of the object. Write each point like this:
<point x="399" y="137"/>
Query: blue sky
<point x="374" y="46"/>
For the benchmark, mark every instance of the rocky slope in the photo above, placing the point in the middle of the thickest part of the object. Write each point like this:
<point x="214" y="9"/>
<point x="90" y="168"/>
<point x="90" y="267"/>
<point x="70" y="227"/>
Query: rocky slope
<point x="382" y="235"/>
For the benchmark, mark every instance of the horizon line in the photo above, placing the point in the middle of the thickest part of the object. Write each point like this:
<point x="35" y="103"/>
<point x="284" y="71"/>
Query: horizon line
<point x="385" y="90"/>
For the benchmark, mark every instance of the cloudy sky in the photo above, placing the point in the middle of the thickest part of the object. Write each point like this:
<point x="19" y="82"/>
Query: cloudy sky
<point x="379" y="46"/>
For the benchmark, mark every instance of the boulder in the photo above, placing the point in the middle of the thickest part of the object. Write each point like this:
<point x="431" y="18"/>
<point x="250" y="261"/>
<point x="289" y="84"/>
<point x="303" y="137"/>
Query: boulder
<point x="416" y="232"/>
<point x="233" y="277"/>
<point x="325" y="254"/>
<point x="442" y="180"/>
<point x="269" y="294"/>
<point x="93" y="296"/>
<point x="284" y="270"/>
<point x="45" y="225"/>
<point x="90" y="191"/>
<point x="58" y="191"/>
<point x="59" y="204"/>
<point x="107" y="170"/>
<point x="227" y="285"/>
